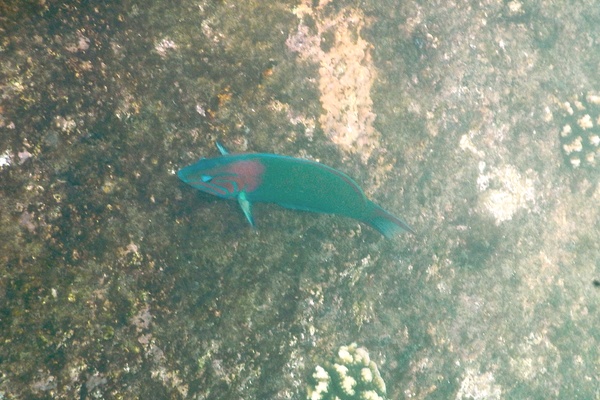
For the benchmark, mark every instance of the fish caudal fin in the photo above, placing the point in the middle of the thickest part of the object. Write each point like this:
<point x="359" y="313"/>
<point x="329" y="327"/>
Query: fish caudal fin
<point x="386" y="223"/>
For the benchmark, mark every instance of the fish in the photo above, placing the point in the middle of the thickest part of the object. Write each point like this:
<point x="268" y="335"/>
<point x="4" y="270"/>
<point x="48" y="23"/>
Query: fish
<point x="289" y="182"/>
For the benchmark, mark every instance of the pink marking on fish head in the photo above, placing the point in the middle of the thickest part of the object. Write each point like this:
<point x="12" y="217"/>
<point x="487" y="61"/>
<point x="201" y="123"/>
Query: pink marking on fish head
<point x="249" y="173"/>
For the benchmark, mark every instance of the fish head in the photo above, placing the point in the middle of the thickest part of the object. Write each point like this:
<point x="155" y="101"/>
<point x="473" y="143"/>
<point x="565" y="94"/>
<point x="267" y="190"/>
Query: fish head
<point x="225" y="177"/>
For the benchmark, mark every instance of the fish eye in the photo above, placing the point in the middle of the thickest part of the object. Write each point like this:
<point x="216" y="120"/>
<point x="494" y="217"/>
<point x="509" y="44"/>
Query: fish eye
<point x="206" y="178"/>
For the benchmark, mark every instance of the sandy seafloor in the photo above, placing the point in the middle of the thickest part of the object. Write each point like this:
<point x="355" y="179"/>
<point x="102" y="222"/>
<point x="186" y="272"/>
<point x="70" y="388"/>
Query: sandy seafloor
<point x="117" y="281"/>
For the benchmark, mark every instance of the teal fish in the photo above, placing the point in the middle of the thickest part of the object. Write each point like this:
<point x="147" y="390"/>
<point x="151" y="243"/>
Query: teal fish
<point x="290" y="182"/>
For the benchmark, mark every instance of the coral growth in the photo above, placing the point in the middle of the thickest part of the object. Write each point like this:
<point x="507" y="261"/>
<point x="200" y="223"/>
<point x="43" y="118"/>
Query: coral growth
<point x="580" y="131"/>
<point x="352" y="375"/>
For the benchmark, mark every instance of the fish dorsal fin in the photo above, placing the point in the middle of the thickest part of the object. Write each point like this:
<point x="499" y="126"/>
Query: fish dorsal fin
<point x="246" y="207"/>
<point x="222" y="149"/>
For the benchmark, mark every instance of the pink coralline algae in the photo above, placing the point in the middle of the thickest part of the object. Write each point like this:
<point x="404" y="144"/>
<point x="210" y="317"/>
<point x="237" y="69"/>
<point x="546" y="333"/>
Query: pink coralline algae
<point x="346" y="75"/>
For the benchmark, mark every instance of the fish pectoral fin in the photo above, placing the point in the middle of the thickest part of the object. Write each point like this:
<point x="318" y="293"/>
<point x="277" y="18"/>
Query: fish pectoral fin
<point x="222" y="149"/>
<point x="246" y="207"/>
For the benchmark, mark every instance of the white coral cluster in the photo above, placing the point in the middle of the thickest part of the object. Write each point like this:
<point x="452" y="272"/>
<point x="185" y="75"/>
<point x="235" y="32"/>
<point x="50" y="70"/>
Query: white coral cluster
<point x="322" y="384"/>
<point x="353" y="375"/>
<point x="580" y="131"/>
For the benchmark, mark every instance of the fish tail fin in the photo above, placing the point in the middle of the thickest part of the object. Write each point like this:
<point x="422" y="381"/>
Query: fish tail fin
<point x="386" y="223"/>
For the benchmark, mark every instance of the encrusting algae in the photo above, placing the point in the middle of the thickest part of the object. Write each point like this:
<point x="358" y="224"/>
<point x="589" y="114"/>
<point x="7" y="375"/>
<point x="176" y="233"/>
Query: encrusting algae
<point x="346" y="74"/>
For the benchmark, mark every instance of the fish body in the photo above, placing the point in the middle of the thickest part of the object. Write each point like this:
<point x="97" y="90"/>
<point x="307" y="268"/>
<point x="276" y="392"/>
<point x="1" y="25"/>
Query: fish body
<point x="289" y="182"/>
